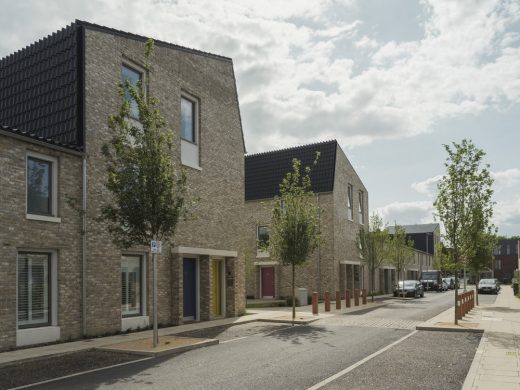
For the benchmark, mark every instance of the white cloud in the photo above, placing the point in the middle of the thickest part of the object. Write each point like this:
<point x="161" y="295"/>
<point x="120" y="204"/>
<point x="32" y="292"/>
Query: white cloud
<point x="507" y="178"/>
<point x="428" y="186"/>
<point x="507" y="216"/>
<point x="407" y="213"/>
<point x="294" y="77"/>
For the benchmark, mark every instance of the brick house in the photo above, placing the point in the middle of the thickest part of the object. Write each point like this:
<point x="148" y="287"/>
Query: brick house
<point x="61" y="276"/>
<point x="425" y="238"/>
<point x="507" y="259"/>
<point x="343" y="203"/>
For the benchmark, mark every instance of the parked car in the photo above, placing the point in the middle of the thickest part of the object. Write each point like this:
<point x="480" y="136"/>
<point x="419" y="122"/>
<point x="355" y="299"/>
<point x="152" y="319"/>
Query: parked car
<point x="450" y="282"/>
<point x="444" y="286"/>
<point x="488" y="285"/>
<point x="412" y="288"/>
<point x="431" y="280"/>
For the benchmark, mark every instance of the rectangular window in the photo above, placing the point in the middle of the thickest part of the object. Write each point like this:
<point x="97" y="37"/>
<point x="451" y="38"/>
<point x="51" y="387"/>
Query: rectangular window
<point x="360" y="211"/>
<point x="263" y="238"/>
<point x="498" y="264"/>
<point x="508" y="250"/>
<point x="350" y="202"/>
<point x="39" y="186"/>
<point x="131" y="285"/>
<point x="188" y="120"/>
<point x="33" y="289"/>
<point x="133" y="77"/>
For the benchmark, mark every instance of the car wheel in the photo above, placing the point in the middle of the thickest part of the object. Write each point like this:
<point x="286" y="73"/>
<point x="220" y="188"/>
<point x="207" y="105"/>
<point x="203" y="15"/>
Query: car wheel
<point x="422" y="295"/>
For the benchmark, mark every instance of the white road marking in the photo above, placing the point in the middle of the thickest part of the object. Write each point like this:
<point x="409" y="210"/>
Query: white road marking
<point x="228" y="341"/>
<point x="359" y="363"/>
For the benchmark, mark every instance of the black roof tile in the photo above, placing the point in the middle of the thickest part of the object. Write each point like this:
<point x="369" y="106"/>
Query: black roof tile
<point x="36" y="137"/>
<point x="265" y="171"/>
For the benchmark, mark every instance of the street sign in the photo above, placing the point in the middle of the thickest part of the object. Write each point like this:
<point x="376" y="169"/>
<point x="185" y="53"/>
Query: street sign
<point x="155" y="246"/>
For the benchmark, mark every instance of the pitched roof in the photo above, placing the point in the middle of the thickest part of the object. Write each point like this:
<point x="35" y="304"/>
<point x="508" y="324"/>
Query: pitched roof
<point x="415" y="229"/>
<point x="36" y="137"/>
<point x="265" y="171"/>
<point x="39" y="88"/>
<point x="41" y="85"/>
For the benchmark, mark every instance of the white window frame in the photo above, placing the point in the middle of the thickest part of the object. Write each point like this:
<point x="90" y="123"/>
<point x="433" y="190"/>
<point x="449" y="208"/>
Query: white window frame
<point x="350" y="202"/>
<point x="190" y="151"/>
<point x="142" y="72"/>
<point x="259" y="251"/>
<point x="361" y="201"/>
<point x="54" y="189"/>
<point x="40" y="334"/>
<point x="139" y="320"/>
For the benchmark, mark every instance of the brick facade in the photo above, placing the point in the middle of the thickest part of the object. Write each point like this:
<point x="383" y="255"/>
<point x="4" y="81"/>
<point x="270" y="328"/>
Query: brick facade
<point x="211" y="232"/>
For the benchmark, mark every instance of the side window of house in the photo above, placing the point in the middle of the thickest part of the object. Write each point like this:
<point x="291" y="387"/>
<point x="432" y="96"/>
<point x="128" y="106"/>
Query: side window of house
<point x="190" y="131"/>
<point x="41" y="176"/>
<point x="350" y="202"/>
<point x="262" y="238"/>
<point x="133" y="76"/>
<point x="360" y="211"/>
<point x="508" y="250"/>
<point x="498" y="264"/>
<point x="131" y="285"/>
<point x="34" y="289"/>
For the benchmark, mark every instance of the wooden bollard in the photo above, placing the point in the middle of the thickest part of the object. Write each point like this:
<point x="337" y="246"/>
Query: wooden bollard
<point x="315" y="303"/>
<point x="458" y="308"/>
<point x="327" y="301"/>
<point x="364" y="295"/>
<point x="338" y="300"/>
<point x="356" y="297"/>
<point x="347" y="298"/>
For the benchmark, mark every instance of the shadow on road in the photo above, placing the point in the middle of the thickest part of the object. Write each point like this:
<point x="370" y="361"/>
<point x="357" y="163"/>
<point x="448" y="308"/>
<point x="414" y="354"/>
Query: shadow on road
<point x="300" y="333"/>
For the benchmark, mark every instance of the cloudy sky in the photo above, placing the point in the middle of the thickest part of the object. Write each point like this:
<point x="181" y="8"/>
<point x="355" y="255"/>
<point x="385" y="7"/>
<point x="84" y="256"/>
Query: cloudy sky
<point x="391" y="80"/>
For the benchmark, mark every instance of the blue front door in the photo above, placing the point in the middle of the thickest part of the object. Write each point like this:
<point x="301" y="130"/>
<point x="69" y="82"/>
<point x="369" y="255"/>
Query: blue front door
<point x="190" y="288"/>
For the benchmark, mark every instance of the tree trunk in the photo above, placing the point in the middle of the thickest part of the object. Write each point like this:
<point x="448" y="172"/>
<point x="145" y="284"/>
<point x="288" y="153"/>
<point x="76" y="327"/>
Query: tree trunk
<point x="456" y="294"/>
<point x="476" y="287"/>
<point x="293" y="296"/>
<point x="373" y="275"/>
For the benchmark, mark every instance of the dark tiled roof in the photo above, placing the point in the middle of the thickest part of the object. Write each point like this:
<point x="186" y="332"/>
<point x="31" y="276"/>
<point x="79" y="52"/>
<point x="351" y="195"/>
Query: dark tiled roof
<point x="39" y="88"/>
<point x="39" y="138"/>
<point x="415" y="229"/>
<point x="265" y="171"/>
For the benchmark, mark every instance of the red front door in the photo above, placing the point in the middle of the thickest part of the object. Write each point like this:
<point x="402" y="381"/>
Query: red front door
<point x="268" y="282"/>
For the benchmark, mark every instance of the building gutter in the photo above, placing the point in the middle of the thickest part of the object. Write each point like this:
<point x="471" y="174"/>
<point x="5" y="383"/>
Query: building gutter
<point x="84" y="248"/>
<point x="319" y="253"/>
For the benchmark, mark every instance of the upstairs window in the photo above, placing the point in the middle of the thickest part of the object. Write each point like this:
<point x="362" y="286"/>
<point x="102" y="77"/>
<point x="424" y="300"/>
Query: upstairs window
<point x="188" y="120"/>
<point x="361" y="207"/>
<point x="508" y="250"/>
<point x="350" y="202"/>
<point x="133" y="77"/>
<point x="262" y="238"/>
<point x="39" y="186"/>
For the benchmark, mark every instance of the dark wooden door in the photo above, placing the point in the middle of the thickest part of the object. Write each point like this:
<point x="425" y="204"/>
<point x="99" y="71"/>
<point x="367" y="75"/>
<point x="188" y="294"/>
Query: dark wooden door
<point x="268" y="282"/>
<point x="190" y="288"/>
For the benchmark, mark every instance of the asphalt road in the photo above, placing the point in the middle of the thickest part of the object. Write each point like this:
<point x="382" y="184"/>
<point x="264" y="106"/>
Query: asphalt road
<point x="260" y="356"/>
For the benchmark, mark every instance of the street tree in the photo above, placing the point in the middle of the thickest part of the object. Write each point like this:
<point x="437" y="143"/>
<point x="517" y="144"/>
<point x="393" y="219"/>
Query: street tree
<point x="373" y="247"/>
<point x="443" y="261"/>
<point x="148" y="194"/>
<point x="483" y="257"/>
<point x="401" y="252"/>
<point x="464" y="203"/>
<point x="294" y="233"/>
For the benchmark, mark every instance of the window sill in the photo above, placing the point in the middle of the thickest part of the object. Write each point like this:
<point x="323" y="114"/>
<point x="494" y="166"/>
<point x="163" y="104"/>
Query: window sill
<point x="192" y="166"/>
<point x="134" y="322"/>
<point x="45" y="218"/>
<point x="262" y="254"/>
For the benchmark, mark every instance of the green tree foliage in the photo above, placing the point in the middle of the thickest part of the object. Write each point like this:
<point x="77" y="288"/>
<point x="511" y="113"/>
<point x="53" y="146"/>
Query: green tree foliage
<point x="482" y="258"/>
<point x="401" y="252"/>
<point x="443" y="260"/>
<point x="373" y="247"/>
<point x="464" y="203"/>
<point x="294" y="233"/>
<point x="148" y="194"/>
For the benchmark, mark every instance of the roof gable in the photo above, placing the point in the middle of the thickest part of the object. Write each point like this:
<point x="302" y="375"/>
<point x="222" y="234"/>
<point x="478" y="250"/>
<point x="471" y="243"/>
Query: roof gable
<point x="264" y="171"/>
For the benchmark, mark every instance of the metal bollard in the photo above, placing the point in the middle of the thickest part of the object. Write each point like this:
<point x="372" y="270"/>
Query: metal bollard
<point x="364" y="295"/>
<point x="356" y="297"/>
<point x="347" y="298"/>
<point x="338" y="300"/>
<point x="315" y="303"/>
<point x="327" y="301"/>
<point x="458" y="308"/>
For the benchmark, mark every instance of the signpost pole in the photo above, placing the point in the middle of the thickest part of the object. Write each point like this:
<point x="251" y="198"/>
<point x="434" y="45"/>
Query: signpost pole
<point x="155" y="329"/>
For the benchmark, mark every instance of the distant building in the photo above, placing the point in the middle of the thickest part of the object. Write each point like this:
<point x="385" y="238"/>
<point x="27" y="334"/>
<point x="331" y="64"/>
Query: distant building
<point x="425" y="238"/>
<point x="507" y="259"/>
<point x="343" y="203"/>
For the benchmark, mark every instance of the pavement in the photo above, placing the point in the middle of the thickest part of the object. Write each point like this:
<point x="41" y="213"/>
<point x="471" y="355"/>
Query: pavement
<point x="496" y="364"/>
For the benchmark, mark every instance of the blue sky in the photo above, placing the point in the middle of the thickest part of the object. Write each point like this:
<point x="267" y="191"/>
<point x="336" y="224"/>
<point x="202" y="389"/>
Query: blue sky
<point x="390" y="80"/>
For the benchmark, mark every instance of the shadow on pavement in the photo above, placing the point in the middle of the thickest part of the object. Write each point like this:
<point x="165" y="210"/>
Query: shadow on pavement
<point x="299" y="333"/>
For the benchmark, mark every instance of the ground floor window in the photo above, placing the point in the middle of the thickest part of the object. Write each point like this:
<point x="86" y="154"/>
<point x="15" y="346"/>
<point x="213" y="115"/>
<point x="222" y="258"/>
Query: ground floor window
<point x="131" y="285"/>
<point x="34" y="289"/>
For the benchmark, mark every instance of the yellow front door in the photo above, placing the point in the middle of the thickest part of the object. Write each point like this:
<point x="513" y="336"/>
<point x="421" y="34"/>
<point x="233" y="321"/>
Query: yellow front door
<point x="217" y="287"/>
